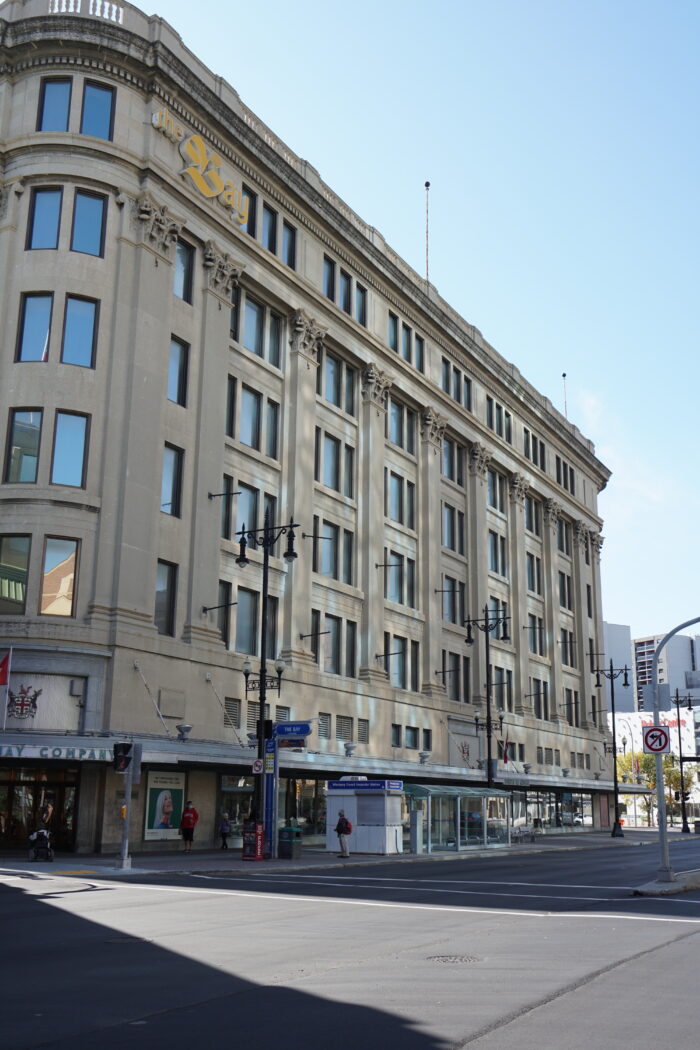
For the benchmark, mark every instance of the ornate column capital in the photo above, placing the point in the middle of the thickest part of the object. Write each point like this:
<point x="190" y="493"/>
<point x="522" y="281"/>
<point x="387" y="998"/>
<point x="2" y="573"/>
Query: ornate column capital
<point x="552" y="513"/>
<point x="306" y="336"/>
<point x="597" y="541"/>
<point x="224" y="272"/>
<point x="375" y="386"/>
<point x="517" y="489"/>
<point x="432" y="427"/>
<point x="581" y="534"/>
<point x="479" y="459"/>
<point x="161" y="229"/>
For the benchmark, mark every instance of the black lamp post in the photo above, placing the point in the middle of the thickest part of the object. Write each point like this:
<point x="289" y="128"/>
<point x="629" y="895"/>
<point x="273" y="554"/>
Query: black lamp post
<point x="685" y="830"/>
<point x="490" y="621"/>
<point x="611" y="674"/>
<point x="266" y="537"/>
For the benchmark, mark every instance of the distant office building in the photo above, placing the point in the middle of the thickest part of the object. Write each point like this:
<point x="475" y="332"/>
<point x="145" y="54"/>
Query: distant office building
<point x="678" y="666"/>
<point x="617" y="646"/>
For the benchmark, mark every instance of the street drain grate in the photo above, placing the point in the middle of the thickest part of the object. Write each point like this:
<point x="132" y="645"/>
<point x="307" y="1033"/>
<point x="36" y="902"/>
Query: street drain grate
<point x="454" y="958"/>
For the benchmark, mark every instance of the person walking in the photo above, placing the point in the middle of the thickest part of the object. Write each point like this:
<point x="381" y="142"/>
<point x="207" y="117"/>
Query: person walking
<point x="188" y="823"/>
<point x="342" y="830"/>
<point x="224" y="830"/>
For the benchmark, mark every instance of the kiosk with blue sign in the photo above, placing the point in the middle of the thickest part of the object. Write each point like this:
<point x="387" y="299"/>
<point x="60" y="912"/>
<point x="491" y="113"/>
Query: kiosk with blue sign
<point x="373" y="807"/>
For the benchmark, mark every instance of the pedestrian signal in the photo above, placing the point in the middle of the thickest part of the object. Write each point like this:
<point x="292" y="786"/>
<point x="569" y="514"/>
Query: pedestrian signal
<point x="122" y="757"/>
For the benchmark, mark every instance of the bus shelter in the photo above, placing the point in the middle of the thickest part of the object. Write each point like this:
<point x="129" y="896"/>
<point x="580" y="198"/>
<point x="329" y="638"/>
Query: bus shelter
<point x="454" y="818"/>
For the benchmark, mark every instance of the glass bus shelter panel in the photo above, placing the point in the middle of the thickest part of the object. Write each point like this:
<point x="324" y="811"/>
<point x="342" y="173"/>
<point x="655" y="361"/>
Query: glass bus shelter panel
<point x="496" y="821"/>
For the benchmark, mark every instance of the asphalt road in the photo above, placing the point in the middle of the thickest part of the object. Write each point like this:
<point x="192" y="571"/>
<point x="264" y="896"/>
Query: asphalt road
<point x="534" y="951"/>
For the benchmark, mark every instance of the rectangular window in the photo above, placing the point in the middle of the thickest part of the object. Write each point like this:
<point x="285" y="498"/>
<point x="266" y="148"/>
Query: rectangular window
<point x="406" y="342"/>
<point x="97" y="118"/>
<point x="183" y="274"/>
<point x="23" y="439"/>
<point x="253" y="327"/>
<point x="250" y="417"/>
<point x="289" y="245"/>
<point x="34" y="327"/>
<point x="230" y="407"/>
<point x="333" y="373"/>
<point x="396" y="733"/>
<point x="269" y="229"/>
<point x="166" y="582"/>
<point x="324" y="725"/>
<point x="533" y="516"/>
<point x="332" y="645"/>
<point x="54" y="104"/>
<point x="79" y="332"/>
<point x="226" y="516"/>
<point x="589" y="600"/>
<point x="329" y="550"/>
<point x="351" y="660"/>
<point x="14" y="572"/>
<point x="412" y="737"/>
<point x="44" y="219"/>
<point x="247" y="621"/>
<point x="223" y="613"/>
<point x="328" y="278"/>
<point x="361" y="304"/>
<point x="345" y="292"/>
<point x="363" y="730"/>
<point x="343" y="728"/>
<point x="427" y="740"/>
<point x="58" y="577"/>
<point x="393" y="334"/>
<point x="171" y="482"/>
<point x="349" y="472"/>
<point x="348" y="556"/>
<point x="69" y="449"/>
<point x="178" y="363"/>
<point x="331" y="462"/>
<point x="251" y="201"/>
<point x="88" y="233"/>
<point x="419" y="352"/>
<point x="232" y="712"/>
<point x="246" y="508"/>
<point x="399" y="663"/>
<point x="272" y="429"/>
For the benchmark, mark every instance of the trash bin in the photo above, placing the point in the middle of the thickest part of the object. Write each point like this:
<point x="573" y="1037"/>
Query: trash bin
<point x="289" y="844"/>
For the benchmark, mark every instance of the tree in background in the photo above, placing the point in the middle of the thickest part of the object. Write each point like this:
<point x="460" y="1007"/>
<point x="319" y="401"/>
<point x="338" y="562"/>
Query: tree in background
<point x="640" y="767"/>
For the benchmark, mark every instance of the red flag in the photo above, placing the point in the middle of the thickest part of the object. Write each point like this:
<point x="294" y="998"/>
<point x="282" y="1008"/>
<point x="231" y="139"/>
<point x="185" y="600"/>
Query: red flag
<point x="506" y="747"/>
<point x="5" y="669"/>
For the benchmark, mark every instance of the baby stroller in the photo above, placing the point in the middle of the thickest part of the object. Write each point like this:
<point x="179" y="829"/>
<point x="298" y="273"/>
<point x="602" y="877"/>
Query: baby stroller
<point x="40" y="847"/>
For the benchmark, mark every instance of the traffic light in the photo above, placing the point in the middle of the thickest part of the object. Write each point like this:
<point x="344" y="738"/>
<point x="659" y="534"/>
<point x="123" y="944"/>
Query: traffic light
<point x="677" y="796"/>
<point x="267" y="728"/>
<point x="122" y="756"/>
<point x="686" y="796"/>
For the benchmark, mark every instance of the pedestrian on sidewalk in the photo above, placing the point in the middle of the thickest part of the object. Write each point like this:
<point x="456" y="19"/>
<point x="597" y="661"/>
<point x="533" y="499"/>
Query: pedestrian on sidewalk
<point x="342" y="830"/>
<point x="190" y="816"/>
<point x="224" y="830"/>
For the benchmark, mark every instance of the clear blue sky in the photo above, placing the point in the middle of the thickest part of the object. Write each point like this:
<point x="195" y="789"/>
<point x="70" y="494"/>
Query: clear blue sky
<point x="561" y="143"/>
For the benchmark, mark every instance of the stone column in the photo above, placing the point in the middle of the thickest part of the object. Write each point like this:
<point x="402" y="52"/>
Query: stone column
<point x="518" y="591"/>
<point x="477" y="546"/>
<point x="429" y="547"/>
<point x="552" y="513"/>
<point x="297" y="493"/>
<point x="370" y="539"/>
<point x="580" y="539"/>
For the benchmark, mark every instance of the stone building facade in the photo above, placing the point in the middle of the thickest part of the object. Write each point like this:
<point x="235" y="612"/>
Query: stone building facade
<point x="197" y="333"/>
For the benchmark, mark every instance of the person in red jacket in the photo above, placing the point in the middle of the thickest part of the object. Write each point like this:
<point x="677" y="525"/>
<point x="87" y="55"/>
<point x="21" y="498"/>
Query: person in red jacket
<point x="190" y="816"/>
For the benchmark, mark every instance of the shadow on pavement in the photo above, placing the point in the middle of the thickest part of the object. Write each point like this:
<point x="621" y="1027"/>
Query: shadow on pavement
<point x="73" y="983"/>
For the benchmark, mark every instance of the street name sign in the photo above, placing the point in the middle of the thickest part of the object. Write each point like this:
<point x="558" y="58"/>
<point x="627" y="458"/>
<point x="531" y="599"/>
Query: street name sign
<point x="292" y="729"/>
<point x="365" y="785"/>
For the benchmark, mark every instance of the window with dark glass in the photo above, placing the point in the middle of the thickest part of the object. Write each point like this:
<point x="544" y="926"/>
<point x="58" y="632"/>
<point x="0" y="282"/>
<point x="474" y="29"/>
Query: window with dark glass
<point x="331" y="462"/>
<point x="178" y="362"/>
<point x="171" y="482"/>
<point x="351" y="658"/>
<point x="247" y="508"/>
<point x="393" y="333"/>
<point x="88" y="231"/>
<point x="419" y="352"/>
<point x="23" y="439"/>
<point x="406" y="342"/>
<point x="34" y="326"/>
<point x="183" y="273"/>
<point x="251" y="200"/>
<point x="69" y="449"/>
<point x="332" y="645"/>
<point x="361" y="304"/>
<point x="230" y="406"/>
<point x="223" y="613"/>
<point x="345" y="292"/>
<point x="226" y="506"/>
<point x="396" y="731"/>
<point x="247" y="621"/>
<point x="14" y="572"/>
<point x="58" y="577"/>
<point x="54" y="104"/>
<point x="166" y="582"/>
<point x="97" y="117"/>
<point x="289" y="245"/>
<point x="79" y="332"/>
<point x="328" y="278"/>
<point x="412" y="737"/>
<point x="272" y="429"/>
<point x="250" y="417"/>
<point x="253" y="330"/>
<point x="269" y="229"/>
<point x="44" y="218"/>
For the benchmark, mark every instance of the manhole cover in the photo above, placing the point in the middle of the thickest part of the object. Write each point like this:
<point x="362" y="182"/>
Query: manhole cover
<point x="454" y="958"/>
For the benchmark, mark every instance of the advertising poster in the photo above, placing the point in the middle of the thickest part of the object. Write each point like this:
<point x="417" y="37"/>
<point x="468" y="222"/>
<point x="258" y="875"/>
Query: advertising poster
<point x="164" y="804"/>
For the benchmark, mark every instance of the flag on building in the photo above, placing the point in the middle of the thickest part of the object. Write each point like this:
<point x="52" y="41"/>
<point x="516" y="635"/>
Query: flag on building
<point x="5" y="668"/>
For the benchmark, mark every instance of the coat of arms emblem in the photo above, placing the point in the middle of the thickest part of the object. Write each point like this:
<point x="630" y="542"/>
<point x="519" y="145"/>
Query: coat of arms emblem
<point x="22" y="704"/>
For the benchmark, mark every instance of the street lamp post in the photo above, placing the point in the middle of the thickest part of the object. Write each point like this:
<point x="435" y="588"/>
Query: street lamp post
<point x="266" y="537"/>
<point x="611" y="674"/>
<point x="486" y="624"/>
<point x="685" y="829"/>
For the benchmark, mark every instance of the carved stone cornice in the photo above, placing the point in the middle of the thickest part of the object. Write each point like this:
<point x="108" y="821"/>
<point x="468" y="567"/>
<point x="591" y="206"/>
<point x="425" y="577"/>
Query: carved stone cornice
<point x="306" y="336"/>
<point x="161" y="229"/>
<point x="375" y="386"/>
<point x="597" y="541"/>
<point x="432" y="427"/>
<point x="518" y="488"/>
<point x="224" y="272"/>
<point x="479" y="459"/>
<point x="552" y="513"/>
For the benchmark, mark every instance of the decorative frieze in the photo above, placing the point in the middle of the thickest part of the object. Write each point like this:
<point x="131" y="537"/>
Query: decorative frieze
<point x="306" y="336"/>
<point x="224" y="272"/>
<point x="432" y="426"/>
<point x="161" y="229"/>
<point x="479" y="459"/>
<point x="375" y="386"/>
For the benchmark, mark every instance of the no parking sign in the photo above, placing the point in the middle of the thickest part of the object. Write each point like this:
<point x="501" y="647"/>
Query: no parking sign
<point x="656" y="740"/>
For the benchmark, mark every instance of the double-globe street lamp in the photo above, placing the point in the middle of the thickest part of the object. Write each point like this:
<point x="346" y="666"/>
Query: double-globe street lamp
<point x="611" y="674"/>
<point x="490" y="621"/>
<point x="266" y="537"/>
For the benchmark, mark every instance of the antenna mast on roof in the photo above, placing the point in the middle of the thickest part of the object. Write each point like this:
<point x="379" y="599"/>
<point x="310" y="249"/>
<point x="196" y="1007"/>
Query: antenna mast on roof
<point x="563" y="376"/>
<point x="427" y="270"/>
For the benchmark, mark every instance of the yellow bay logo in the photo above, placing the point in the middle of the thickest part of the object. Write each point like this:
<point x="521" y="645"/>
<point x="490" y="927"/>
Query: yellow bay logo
<point x="203" y="167"/>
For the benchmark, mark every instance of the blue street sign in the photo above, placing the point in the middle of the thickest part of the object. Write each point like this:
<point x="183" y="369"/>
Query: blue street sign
<point x="292" y="729"/>
<point x="365" y="785"/>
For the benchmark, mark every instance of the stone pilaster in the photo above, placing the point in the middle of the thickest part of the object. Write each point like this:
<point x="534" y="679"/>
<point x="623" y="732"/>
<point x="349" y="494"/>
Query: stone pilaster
<point x="432" y="432"/>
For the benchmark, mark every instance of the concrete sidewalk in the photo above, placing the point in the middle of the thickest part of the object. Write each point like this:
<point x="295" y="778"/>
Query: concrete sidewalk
<point x="229" y="862"/>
